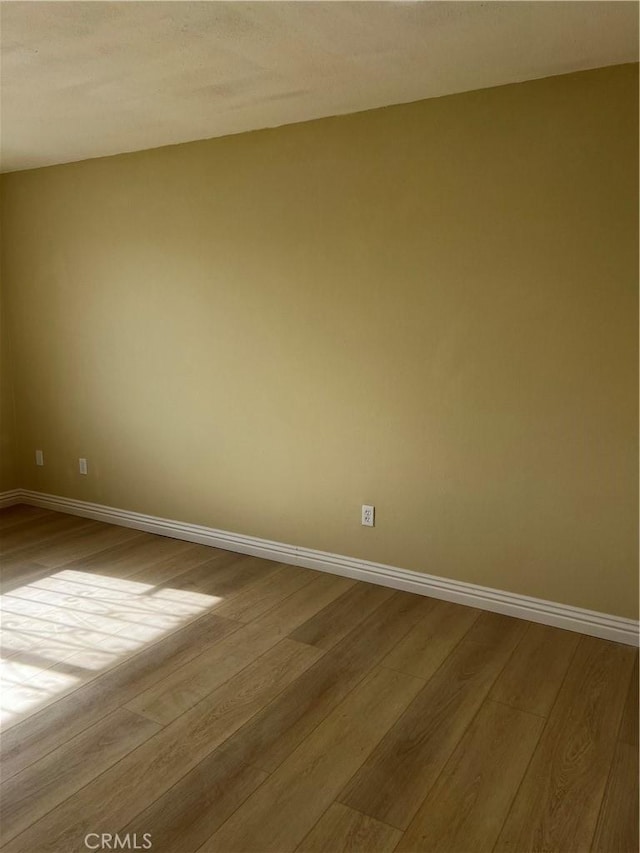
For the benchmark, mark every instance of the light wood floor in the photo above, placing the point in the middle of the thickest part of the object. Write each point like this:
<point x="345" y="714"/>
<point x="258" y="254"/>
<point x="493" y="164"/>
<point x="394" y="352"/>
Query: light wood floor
<point x="226" y="703"/>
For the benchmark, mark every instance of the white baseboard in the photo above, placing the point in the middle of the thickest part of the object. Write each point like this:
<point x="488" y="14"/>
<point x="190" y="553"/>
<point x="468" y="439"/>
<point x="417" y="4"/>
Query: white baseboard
<point x="596" y="624"/>
<point x="11" y="497"/>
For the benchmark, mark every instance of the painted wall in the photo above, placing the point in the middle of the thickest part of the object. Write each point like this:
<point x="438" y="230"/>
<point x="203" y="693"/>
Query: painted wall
<point x="8" y="471"/>
<point x="8" y="452"/>
<point x="429" y="307"/>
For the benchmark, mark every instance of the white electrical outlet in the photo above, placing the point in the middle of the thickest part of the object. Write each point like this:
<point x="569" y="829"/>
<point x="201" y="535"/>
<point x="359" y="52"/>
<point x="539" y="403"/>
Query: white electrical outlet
<point x="39" y="457"/>
<point x="82" y="465"/>
<point x="368" y="515"/>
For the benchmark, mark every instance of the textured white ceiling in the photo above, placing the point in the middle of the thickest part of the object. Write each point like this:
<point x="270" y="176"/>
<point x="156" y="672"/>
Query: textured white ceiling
<point x="85" y="79"/>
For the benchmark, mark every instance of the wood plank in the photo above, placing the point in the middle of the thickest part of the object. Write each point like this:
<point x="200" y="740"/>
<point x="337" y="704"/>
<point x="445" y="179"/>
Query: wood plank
<point x="26" y="689"/>
<point x="617" y="828"/>
<point x="136" y="613"/>
<point x="629" y="725"/>
<point x="185" y="816"/>
<point x="231" y="573"/>
<point x="37" y="552"/>
<point x="94" y="623"/>
<point x="191" y="571"/>
<point x="467" y="806"/>
<point x="160" y="575"/>
<point x="340" y="617"/>
<point x="47" y="729"/>
<point x="424" y="648"/>
<point x="557" y="806"/>
<point x="10" y="516"/>
<point x="35" y="532"/>
<point x="265" y="593"/>
<point x="395" y="780"/>
<point x="343" y="830"/>
<point x="128" y="609"/>
<point x="40" y="787"/>
<point x="181" y="690"/>
<point x="281" y="812"/>
<point x="175" y="569"/>
<point x="121" y="560"/>
<point x="532" y="678"/>
<point x="269" y="738"/>
<point x="88" y="539"/>
<point x="115" y="797"/>
<point x="131" y="557"/>
<point x="21" y="572"/>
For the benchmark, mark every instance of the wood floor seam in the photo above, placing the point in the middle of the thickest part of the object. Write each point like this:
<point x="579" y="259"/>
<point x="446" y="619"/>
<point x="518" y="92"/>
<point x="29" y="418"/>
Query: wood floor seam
<point x="124" y="661"/>
<point x="178" y="782"/>
<point x="205" y="697"/>
<point x="73" y="793"/>
<point x="356" y="684"/>
<point x="110" y="769"/>
<point x="526" y="770"/>
<point x="608" y="779"/>
<point x="451" y="651"/>
<point x="515" y="708"/>
<point x="524" y="775"/>
<point x="122" y="664"/>
<point x="328" y="808"/>
<point x="319" y="722"/>
<point x="578" y="737"/>
<point x="631" y="710"/>
<point x="463" y="732"/>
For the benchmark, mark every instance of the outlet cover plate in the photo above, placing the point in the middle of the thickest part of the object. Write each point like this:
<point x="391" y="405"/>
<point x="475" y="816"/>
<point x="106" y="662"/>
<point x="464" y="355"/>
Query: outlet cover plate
<point x="368" y="515"/>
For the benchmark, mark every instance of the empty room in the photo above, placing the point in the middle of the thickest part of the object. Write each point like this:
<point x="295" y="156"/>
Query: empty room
<point x="319" y="426"/>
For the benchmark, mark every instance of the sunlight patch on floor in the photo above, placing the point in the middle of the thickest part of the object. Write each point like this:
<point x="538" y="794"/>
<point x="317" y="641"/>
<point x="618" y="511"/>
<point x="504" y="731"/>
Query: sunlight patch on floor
<point x="60" y="631"/>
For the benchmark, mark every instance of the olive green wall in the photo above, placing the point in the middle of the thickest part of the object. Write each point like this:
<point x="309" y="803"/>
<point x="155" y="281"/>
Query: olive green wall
<point x="429" y="307"/>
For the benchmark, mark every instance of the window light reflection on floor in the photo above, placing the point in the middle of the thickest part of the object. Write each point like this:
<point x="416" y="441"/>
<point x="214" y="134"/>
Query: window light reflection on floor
<point x="61" y="630"/>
